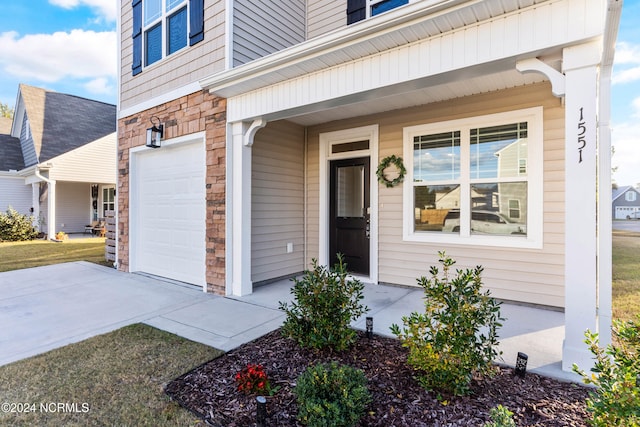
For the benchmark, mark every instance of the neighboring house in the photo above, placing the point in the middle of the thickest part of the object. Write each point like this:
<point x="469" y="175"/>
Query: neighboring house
<point x="58" y="160"/>
<point x="273" y="110"/>
<point x="626" y="203"/>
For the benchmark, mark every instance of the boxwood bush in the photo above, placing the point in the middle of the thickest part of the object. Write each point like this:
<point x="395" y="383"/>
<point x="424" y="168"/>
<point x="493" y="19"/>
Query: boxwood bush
<point x="325" y="303"/>
<point x="331" y="395"/>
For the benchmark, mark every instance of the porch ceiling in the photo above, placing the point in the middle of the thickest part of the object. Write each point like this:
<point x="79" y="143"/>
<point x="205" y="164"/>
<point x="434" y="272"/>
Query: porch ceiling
<point x="415" y="97"/>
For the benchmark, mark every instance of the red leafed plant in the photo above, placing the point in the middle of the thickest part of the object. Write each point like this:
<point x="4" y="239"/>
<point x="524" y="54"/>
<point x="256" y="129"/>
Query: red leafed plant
<point x="253" y="379"/>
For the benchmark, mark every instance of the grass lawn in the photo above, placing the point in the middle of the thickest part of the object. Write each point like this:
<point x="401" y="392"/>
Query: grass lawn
<point x="35" y="253"/>
<point x="112" y="379"/>
<point x="626" y="275"/>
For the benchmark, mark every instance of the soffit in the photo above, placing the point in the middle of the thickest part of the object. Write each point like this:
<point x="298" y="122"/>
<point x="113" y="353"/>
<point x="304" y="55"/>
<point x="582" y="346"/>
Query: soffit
<point x="442" y="92"/>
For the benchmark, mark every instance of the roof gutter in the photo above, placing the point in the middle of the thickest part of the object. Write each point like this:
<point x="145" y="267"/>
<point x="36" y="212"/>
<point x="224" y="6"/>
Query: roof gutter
<point x="605" y="242"/>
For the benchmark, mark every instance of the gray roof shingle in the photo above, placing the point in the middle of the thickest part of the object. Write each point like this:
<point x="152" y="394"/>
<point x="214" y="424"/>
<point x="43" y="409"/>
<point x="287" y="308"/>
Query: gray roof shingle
<point x="10" y="153"/>
<point x="60" y="123"/>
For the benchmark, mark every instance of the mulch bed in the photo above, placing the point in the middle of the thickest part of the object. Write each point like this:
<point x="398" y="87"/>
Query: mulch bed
<point x="210" y="392"/>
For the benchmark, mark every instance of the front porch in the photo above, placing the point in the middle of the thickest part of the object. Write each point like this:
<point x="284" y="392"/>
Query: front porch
<point x="537" y="332"/>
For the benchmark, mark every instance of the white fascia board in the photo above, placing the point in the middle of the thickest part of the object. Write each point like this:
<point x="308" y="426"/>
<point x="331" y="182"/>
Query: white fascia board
<point x="18" y="114"/>
<point x="10" y="174"/>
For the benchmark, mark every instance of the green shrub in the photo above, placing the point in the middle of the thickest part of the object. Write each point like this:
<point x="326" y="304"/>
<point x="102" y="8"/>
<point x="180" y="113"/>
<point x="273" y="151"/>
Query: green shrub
<point x="331" y="395"/>
<point x="325" y="303"/>
<point x="15" y="226"/>
<point x="616" y="375"/>
<point x="456" y="336"/>
<point x="500" y="417"/>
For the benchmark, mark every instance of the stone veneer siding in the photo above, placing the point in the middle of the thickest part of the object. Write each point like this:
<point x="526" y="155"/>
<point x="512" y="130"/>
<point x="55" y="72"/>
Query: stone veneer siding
<point x="193" y="113"/>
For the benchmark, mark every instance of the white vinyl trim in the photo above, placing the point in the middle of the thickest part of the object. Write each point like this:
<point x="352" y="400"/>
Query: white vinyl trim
<point x="535" y="181"/>
<point x="326" y="141"/>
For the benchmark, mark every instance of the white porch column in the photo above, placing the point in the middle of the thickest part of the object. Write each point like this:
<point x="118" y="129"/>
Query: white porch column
<point x="580" y="66"/>
<point x="51" y="210"/>
<point x="35" y="204"/>
<point x="242" y="134"/>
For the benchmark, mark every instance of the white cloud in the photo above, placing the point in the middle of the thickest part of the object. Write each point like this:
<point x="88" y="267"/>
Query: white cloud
<point x="626" y="142"/>
<point x="50" y="58"/>
<point x="626" y="76"/>
<point x="635" y="104"/>
<point x="627" y="53"/>
<point x="627" y="63"/>
<point x="100" y="86"/>
<point x="107" y="9"/>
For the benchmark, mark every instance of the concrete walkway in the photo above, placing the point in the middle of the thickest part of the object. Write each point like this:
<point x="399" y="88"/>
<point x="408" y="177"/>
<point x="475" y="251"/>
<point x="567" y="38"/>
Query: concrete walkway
<point x="48" y="307"/>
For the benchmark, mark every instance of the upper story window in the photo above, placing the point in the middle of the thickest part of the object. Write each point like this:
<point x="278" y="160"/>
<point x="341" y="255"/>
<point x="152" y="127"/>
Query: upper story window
<point x="475" y="181"/>
<point x="163" y="27"/>
<point x="630" y="196"/>
<point x="358" y="10"/>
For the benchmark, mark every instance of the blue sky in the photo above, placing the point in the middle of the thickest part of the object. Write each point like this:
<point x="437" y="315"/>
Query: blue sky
<point x="70" y="46"/>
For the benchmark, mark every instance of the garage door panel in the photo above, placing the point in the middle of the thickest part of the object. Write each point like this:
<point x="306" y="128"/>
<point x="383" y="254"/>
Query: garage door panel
<point x="170" y="235"/>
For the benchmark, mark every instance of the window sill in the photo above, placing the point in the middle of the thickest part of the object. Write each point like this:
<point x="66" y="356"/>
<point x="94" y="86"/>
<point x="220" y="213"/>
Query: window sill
<point x="522" y="242"/>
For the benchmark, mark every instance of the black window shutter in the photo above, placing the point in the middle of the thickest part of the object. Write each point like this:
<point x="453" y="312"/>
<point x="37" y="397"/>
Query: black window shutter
<point x="136" y="67"/>
<point x="196" y="21"/>
<point x="356" y="10"/>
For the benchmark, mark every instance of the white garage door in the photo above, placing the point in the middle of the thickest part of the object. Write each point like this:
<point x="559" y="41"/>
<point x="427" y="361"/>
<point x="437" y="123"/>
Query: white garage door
<point x="169" y="212"/>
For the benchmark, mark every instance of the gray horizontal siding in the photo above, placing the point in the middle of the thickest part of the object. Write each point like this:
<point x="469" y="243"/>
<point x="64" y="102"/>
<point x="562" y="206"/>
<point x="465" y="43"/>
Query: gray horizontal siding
<point x="261" y="28"/>
<point x="14" y="193"/>
<point x="277" y="215"/>
<point x="28" y="149"/>
<point x="325" y="16"/>
<point x="73" y="206"/>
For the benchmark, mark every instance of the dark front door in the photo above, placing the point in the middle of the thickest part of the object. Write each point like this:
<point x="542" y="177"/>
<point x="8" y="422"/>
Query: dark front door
<point x="349" y="213"/>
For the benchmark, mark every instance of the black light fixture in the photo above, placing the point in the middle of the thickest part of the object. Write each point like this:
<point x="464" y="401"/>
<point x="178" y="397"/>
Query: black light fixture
<point x="369" y="327"/>
<point x="521" y="364"/>
<point x="261" y="411"/>
<point x="154" y="133"/>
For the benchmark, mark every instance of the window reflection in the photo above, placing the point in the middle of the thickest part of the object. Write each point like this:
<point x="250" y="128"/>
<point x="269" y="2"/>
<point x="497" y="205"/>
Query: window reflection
<point x="350" y="191"/>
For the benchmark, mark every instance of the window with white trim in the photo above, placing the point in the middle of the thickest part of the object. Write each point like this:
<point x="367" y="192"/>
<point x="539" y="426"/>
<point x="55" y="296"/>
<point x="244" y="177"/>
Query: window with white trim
<point x="476" y="180"/>
<point x="163" y="27"/>
<point x="358" y="10"/>
<point x="108" y="200"/>
<point x="630" y="196"/>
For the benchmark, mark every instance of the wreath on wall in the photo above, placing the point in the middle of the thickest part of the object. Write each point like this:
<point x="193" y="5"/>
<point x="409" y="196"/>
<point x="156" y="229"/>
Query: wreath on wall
<point x="384" y="164"/>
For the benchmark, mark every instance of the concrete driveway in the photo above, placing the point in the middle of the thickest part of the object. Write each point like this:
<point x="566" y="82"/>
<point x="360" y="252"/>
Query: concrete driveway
<point x="48" y="307"/>
<point x="627" y="225"/>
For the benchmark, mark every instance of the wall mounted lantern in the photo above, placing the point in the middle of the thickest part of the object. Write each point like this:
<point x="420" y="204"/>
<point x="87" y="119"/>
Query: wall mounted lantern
<point x="154" y="133"/>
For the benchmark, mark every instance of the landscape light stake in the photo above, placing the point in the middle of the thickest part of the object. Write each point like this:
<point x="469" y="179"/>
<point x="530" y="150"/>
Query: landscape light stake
<point x="521" y="364"/>
<point x="261" y="413"/>
<point x="638" y="380"/>
<point x="369" y="327"/>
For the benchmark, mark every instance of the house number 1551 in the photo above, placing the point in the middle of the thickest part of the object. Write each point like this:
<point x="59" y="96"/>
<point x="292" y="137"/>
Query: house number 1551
<point x="582" y="129"/>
